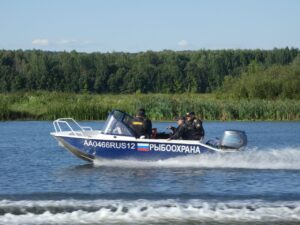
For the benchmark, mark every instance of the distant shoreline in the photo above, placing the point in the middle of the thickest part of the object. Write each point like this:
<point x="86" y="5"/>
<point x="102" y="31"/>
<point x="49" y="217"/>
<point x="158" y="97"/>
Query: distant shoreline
<point x="47" y="106"/>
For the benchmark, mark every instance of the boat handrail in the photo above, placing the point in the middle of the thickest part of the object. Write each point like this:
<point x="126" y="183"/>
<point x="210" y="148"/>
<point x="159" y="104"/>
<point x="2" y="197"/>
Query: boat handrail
<point x="58" y="128"/>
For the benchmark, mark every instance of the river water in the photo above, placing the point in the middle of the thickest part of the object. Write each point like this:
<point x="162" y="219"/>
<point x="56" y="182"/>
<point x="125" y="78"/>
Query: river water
<point x="41" y="183"/>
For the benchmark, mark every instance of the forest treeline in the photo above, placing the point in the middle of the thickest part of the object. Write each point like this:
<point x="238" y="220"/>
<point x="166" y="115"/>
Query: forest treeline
<point x="261" y="82"/>
<point x="166" y="71"/>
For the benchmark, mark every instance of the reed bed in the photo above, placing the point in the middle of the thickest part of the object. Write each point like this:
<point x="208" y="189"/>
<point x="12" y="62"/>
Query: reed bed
<point x="52" y="105"/>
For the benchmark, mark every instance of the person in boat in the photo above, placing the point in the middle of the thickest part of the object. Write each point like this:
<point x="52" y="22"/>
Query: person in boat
<point x="142" y="125"/>
<point x="180" y="132"/>
<point x="195" y="130"/>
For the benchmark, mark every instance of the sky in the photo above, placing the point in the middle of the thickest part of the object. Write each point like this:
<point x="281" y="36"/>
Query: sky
<point x="142" y="25"/>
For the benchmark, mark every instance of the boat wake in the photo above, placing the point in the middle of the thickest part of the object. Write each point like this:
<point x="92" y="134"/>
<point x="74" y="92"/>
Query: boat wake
<point x="287" y="158"/>
<point x="147" y="211"/>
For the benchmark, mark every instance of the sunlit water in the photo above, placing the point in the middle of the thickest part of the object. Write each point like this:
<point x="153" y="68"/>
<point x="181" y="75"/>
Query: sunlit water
<point x="41" y="183"/>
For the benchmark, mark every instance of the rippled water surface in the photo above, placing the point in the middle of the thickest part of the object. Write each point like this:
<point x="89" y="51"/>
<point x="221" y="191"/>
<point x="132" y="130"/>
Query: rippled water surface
<point x="41" y="183"/>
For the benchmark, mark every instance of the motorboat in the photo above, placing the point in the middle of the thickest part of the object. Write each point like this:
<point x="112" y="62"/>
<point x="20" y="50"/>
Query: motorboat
<point x="118" y="140"/>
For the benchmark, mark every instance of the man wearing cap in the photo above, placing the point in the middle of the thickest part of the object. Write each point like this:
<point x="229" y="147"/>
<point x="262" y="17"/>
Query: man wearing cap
<point x="141" y="124"/>
<point x="180" y="132"/>
<point x="195" y="130"/>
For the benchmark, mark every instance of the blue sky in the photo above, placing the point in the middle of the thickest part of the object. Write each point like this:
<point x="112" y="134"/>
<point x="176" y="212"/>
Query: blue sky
<point x="140" y="25"/>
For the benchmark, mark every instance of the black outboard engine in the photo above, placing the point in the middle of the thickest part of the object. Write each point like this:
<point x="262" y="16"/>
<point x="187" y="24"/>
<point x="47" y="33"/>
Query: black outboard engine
<point x="233" y="139"/>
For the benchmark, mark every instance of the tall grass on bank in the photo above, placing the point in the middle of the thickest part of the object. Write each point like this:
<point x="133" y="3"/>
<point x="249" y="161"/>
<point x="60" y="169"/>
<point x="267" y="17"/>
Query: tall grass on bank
<point x="52" y="105"/>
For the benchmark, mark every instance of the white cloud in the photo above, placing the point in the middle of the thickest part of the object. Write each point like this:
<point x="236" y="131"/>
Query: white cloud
<point x="66" y="42"/>
<point x="183" y="43"/>
<point x="72" y="42"/>
<point x="41" y="42"/>
<point x="87" y="42"/>
<point x="62" y="44"/>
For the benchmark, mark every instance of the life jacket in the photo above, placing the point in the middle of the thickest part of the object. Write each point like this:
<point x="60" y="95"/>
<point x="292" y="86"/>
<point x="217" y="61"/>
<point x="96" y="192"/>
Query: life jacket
<point x="198" y="126"/>
<point x="180" y="132"/>
<point x="139" y="126"/>
<point x="195" y="130"/>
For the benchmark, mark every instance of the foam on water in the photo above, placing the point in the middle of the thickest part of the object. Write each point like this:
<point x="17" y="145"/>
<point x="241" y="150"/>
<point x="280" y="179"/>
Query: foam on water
<point x="288" y="158"/>
<point x="145" y="211"/>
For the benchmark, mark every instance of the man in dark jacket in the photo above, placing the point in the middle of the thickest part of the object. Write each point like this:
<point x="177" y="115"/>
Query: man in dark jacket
<point x="180" y="132"/>
<point x="195" y="130"/>
<point x="142" y="125"/>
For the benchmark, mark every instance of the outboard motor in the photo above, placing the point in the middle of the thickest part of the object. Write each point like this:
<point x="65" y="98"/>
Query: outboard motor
<point x="233" y="139"/>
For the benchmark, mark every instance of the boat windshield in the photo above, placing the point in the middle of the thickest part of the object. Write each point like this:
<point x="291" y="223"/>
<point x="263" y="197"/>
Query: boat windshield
<point x="118" y="123"/>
